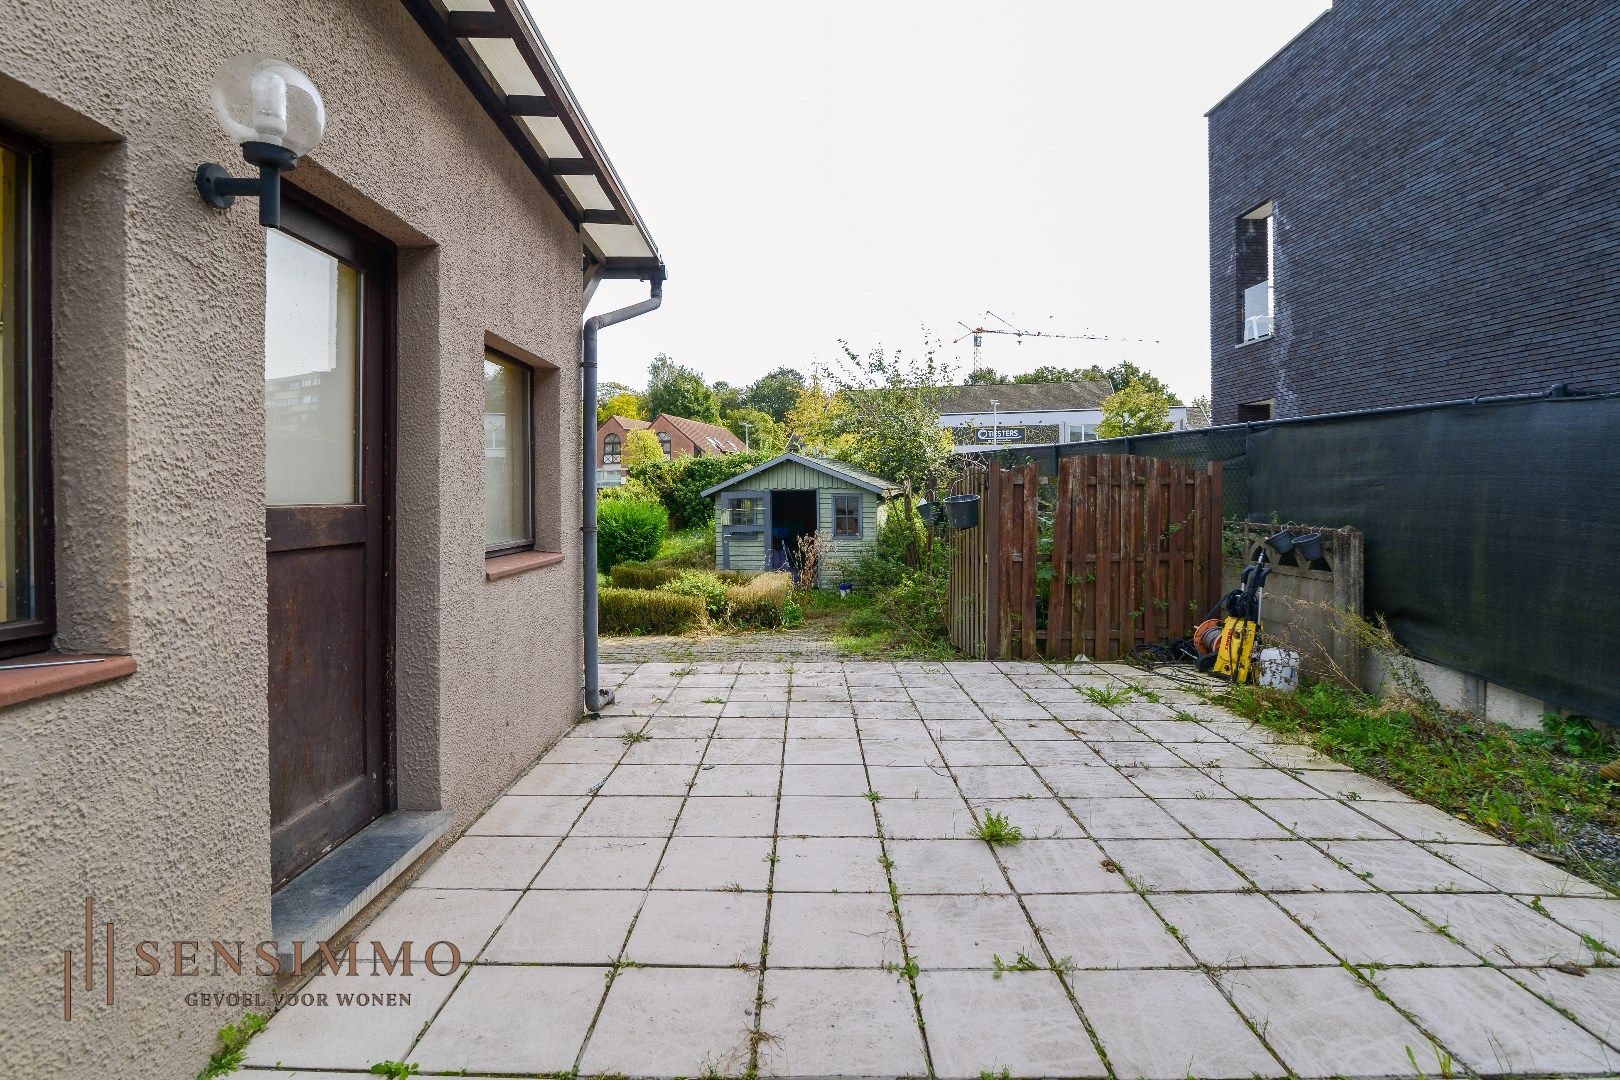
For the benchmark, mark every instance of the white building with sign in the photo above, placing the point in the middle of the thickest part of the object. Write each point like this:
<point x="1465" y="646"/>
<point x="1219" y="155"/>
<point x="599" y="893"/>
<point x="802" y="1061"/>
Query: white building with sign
<point x="1028" y="414"/>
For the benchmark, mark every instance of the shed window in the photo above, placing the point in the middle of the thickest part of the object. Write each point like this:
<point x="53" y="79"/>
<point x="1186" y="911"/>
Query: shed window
<point x="610" y="450"/>
<point x="663" y="441"/>
<point x="846" y="515"/>
<point x="508" y="455"/>
<point x="744" y="511"/>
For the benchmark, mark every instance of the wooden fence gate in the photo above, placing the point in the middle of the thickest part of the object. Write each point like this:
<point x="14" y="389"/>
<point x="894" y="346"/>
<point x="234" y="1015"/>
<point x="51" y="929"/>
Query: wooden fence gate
<point x="1114" y="551"/>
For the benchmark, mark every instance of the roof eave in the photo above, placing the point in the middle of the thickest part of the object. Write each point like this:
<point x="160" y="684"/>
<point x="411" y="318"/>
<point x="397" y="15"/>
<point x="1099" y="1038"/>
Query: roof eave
<point x="452" y="31"/>
<point x="887" y="492"/>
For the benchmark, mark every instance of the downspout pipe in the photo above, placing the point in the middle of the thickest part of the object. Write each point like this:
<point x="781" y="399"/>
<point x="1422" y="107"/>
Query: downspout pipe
<point x="595" y="697"/>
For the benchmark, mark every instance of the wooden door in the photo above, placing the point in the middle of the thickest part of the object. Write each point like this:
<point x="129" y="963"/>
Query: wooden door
<point x="328" y="333"/>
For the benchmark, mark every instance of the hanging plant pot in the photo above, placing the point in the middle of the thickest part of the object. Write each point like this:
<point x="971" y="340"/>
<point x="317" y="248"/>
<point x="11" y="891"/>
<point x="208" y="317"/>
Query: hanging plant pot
<point x="962" y="511"/>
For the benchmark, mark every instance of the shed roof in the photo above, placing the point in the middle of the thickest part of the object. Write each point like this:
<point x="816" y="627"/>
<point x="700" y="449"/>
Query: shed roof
<point x="1024" y="397"/>
<point x="840" y="469"/>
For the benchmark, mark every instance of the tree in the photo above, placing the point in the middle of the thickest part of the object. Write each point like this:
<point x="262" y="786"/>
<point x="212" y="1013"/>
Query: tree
<point x="679" y="391"/>
<point x="776" y="393"/>
<point x="729" y="398"/>
<point x="640" y="447"/>
<point x="622" y="403"/>
<point x="1050" y="373"/>
<point x="888" y="408"/>
<point x="762" y="433"/>
<point x="813" y="424"/>
<point x="1138" y="409"/>
<point x="985" y="376"/>
<point x="1125" y="373"/>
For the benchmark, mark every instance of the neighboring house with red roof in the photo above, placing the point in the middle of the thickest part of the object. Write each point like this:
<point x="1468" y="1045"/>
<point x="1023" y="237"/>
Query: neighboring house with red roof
<point x="678" y="435"/>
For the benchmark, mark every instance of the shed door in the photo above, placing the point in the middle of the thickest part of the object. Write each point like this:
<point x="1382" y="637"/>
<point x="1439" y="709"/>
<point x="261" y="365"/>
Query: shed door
<point x="745" y="519"/>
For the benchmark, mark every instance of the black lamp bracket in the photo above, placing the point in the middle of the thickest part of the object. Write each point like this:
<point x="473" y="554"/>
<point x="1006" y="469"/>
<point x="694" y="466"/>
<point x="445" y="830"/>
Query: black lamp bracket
<point x="220" y="189"/>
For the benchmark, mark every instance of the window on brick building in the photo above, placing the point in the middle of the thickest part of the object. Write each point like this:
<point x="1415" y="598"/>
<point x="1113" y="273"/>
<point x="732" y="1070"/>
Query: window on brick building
<point x="1256" y="248"/>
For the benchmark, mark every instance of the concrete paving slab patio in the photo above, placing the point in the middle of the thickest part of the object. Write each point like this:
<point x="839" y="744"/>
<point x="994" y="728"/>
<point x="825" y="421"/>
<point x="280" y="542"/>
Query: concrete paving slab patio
<point x="758" y="868"/>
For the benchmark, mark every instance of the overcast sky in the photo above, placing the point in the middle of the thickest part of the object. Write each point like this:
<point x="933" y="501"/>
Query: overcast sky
<point x="864" y="171"/>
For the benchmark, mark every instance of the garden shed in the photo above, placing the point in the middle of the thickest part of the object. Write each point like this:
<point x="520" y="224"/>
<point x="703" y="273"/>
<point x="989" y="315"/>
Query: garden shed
<point x="763" y="515"/>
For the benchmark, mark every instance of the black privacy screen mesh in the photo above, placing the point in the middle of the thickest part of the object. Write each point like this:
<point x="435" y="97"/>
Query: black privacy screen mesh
<point x="1492" y="529"/>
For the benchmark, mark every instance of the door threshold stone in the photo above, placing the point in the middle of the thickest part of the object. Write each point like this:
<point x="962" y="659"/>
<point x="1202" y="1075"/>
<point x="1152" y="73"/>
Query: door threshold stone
<point x="315" y="905"/>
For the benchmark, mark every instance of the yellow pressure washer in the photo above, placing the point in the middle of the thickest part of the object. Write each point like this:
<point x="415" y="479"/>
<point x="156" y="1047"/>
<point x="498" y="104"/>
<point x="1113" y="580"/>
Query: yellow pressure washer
<point x="1226" y="647"/>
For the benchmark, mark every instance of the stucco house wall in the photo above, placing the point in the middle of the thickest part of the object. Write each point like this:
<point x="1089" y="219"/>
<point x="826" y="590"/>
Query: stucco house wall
<point x="150" y="793"/>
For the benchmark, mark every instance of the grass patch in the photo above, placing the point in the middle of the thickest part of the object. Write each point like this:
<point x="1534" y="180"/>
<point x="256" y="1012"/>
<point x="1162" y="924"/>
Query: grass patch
<point x="997" y="831"/>
<point x="1523" y="790"/>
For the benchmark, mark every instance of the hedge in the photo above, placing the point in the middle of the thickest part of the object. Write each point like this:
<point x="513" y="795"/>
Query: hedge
<point x="629" y="529"/>
<point x="679" y="483"/>
<point x="652" y="575"/>
<point x="704" y="585"/>
<point x="643" y="575"/>
<point x="644" y="611"/>
<point x="761" y="601"/>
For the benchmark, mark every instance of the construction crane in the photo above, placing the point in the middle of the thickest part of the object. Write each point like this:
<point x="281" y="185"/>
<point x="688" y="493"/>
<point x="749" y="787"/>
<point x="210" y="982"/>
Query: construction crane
<point x="977" y="334"/>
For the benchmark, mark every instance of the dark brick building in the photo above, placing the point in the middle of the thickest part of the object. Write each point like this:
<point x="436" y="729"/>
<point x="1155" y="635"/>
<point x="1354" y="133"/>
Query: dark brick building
<point x="1429" y="192"/>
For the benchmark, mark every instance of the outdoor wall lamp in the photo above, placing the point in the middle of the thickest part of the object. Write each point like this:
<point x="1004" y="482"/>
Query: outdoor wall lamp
<point x="275" y="112"/>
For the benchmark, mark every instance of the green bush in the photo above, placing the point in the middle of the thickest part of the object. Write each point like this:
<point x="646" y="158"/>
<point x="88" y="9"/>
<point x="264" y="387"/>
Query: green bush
<point x="887" y="561"/>
<point x="912" y="602"/>
<point x="703" y="585"/>
<point x="692" y="547"/>
<point x="629" y="530"/>
<point x="762" y="601"/>
<point x="642" y="575"/>
<point x="647" y="611"/>
<point x="679" y="483"/>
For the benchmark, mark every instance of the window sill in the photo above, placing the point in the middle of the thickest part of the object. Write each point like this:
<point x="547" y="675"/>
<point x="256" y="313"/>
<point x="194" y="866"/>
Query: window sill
<point x="19" y="684"/>
<point x="1254" y="341"/>
<point x="519" y="562"/>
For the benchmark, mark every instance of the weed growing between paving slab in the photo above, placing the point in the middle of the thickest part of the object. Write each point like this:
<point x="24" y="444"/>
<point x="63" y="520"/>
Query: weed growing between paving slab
<point x="233" y="1040"/>
<point x="997" y="831"/>
<point x="1524" y="790"/>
